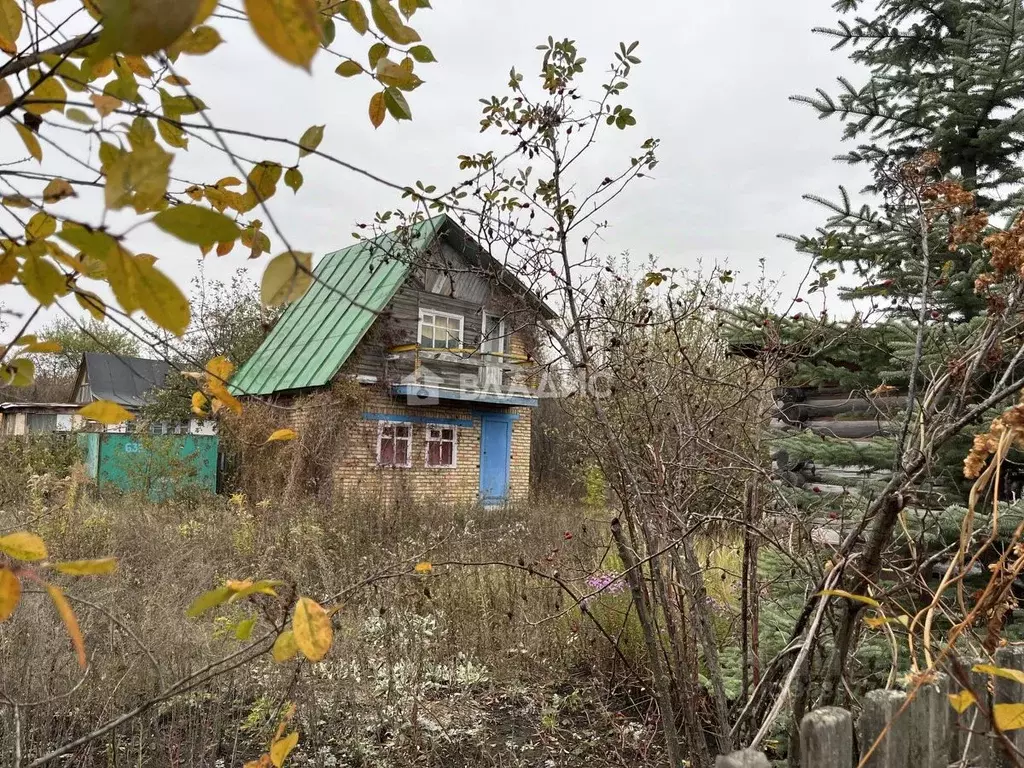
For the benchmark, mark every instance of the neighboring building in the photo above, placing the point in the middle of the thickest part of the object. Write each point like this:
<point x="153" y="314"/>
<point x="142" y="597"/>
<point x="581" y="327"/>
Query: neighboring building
<point x="440" y="336"/>
<point x="128" y="381"/>
<point x="34" y="418"/>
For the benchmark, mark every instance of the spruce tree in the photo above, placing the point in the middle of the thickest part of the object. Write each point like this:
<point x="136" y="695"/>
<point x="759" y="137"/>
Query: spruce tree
<point x="945" y="76"/>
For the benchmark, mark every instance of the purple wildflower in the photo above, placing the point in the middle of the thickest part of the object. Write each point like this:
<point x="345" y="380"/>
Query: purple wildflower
<point x="606" y="582"/>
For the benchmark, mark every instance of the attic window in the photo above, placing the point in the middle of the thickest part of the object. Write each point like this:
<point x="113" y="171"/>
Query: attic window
<point x="442" y="447"/>
<point x="394" y="444"/>
<point x="439" y="330"/>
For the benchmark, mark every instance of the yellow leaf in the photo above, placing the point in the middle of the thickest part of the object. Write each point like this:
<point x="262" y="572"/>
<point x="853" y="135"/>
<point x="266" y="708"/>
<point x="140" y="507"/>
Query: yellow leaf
<point x="10" y="26"/>
<point x="208" y="600"/>
<point x="961" y="701"/>
<point x="200" y="404"/>
<point x="196" y="224"/>
<point x="138" y="66"/>
<point x="70" y="622"/>
<point x="286" y="278"/>
<point x="284" y="647"/>
<point x="312" y="628"/>
<point x="91" y="303"/>
<point x="177" y="80"/>
<point x="138" y="178"/>
<point x="311" y="139"/>
<point x="262" y="184"/>
<point x="29" y="139"/>
<point x="281" y="747"/>
<point x="218" y="373"/>
<point x="43" y="281"/>
<point x="42" y="347"/>
<point x="198" y="42"/>
<point x="424" y="567"/>
<point x="24" y="546"/>
<point x="104" y="104"/>
<point x="206" y="9"/>
<point x="244" y="629"/>
<point x="389" y="73"/>
<point x="105" y="412"/>
<point x="161" y="299"/>
<point x="87" y="567"/>
<point x="850" y="596"/>
<point x="56" y="190"/>
<point x="142" y="27"/>
<point x="282" y="434"/>
<point x="989" y="669"/>
<point x="10" y="593"/>
<point x="47" y="96"/>
<point x="6" y="94"/>
<point x="173" y="134"/>
<point x="289" y="28"/>
<point x="19" y="373"/>
<point x="40" y="226"/>
<point x="262" y="587"/>
<point x="377" y="109"/>
<point x="1008" y="717"/>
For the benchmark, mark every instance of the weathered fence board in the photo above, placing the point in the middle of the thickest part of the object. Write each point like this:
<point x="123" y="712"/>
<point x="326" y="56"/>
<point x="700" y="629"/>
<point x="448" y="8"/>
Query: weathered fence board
<point x="826" y="738"/>
<point x="926" y="733"/>
<point x="879" y="723"/>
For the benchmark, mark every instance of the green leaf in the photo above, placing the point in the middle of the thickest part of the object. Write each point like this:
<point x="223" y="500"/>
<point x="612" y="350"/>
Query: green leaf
<point x="208" y="600"/>
<point x="349" y="69"/>
<point x="377" y="52"/>
<point x="244" y="629"/>
<point x="353" y="12"/>
<point x="396" y="104"/>
<point x="422" y="54"/>
<point x="198" y="225"/>
<point x="78" y="116"/>
<point x="286" y="278"/>
<point x="293" y="179"/>
<point x="311" y="140"/>
<point x="390" y="23"/>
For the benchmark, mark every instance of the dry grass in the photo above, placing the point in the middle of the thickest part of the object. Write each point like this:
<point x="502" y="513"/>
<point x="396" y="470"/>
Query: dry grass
<point x="473" y="664"/>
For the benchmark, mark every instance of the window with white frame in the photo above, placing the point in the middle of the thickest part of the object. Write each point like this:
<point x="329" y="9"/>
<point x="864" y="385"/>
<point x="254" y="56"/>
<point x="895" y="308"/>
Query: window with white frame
<point x="440" y="330"/>
<point x="394" y="444"/>
<point x="442" y="446"/>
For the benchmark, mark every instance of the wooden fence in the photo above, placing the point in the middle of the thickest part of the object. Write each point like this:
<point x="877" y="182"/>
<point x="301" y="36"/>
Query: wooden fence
<point x="927" y="733"/>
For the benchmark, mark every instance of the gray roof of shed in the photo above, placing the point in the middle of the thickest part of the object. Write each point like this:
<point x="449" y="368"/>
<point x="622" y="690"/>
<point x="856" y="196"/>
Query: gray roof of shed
<point x="124" y="380"/>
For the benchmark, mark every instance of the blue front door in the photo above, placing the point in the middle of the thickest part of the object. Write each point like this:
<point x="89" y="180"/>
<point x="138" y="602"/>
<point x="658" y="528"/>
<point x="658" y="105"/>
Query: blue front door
<point x="495" y="454"/>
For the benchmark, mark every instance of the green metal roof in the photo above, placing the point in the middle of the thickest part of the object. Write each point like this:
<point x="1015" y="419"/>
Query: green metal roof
<point x="316" y="334"/>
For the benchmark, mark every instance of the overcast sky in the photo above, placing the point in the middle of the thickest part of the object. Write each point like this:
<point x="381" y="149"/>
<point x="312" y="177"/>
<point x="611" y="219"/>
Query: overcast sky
<point x="736" y="155"/>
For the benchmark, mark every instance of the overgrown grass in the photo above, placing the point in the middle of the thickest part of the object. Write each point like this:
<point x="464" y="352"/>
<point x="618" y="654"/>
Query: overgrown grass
<point x="481" y="662"/>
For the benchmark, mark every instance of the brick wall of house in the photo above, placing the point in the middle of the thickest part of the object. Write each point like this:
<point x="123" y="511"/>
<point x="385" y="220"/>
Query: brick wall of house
<point x="358" y="476"/>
